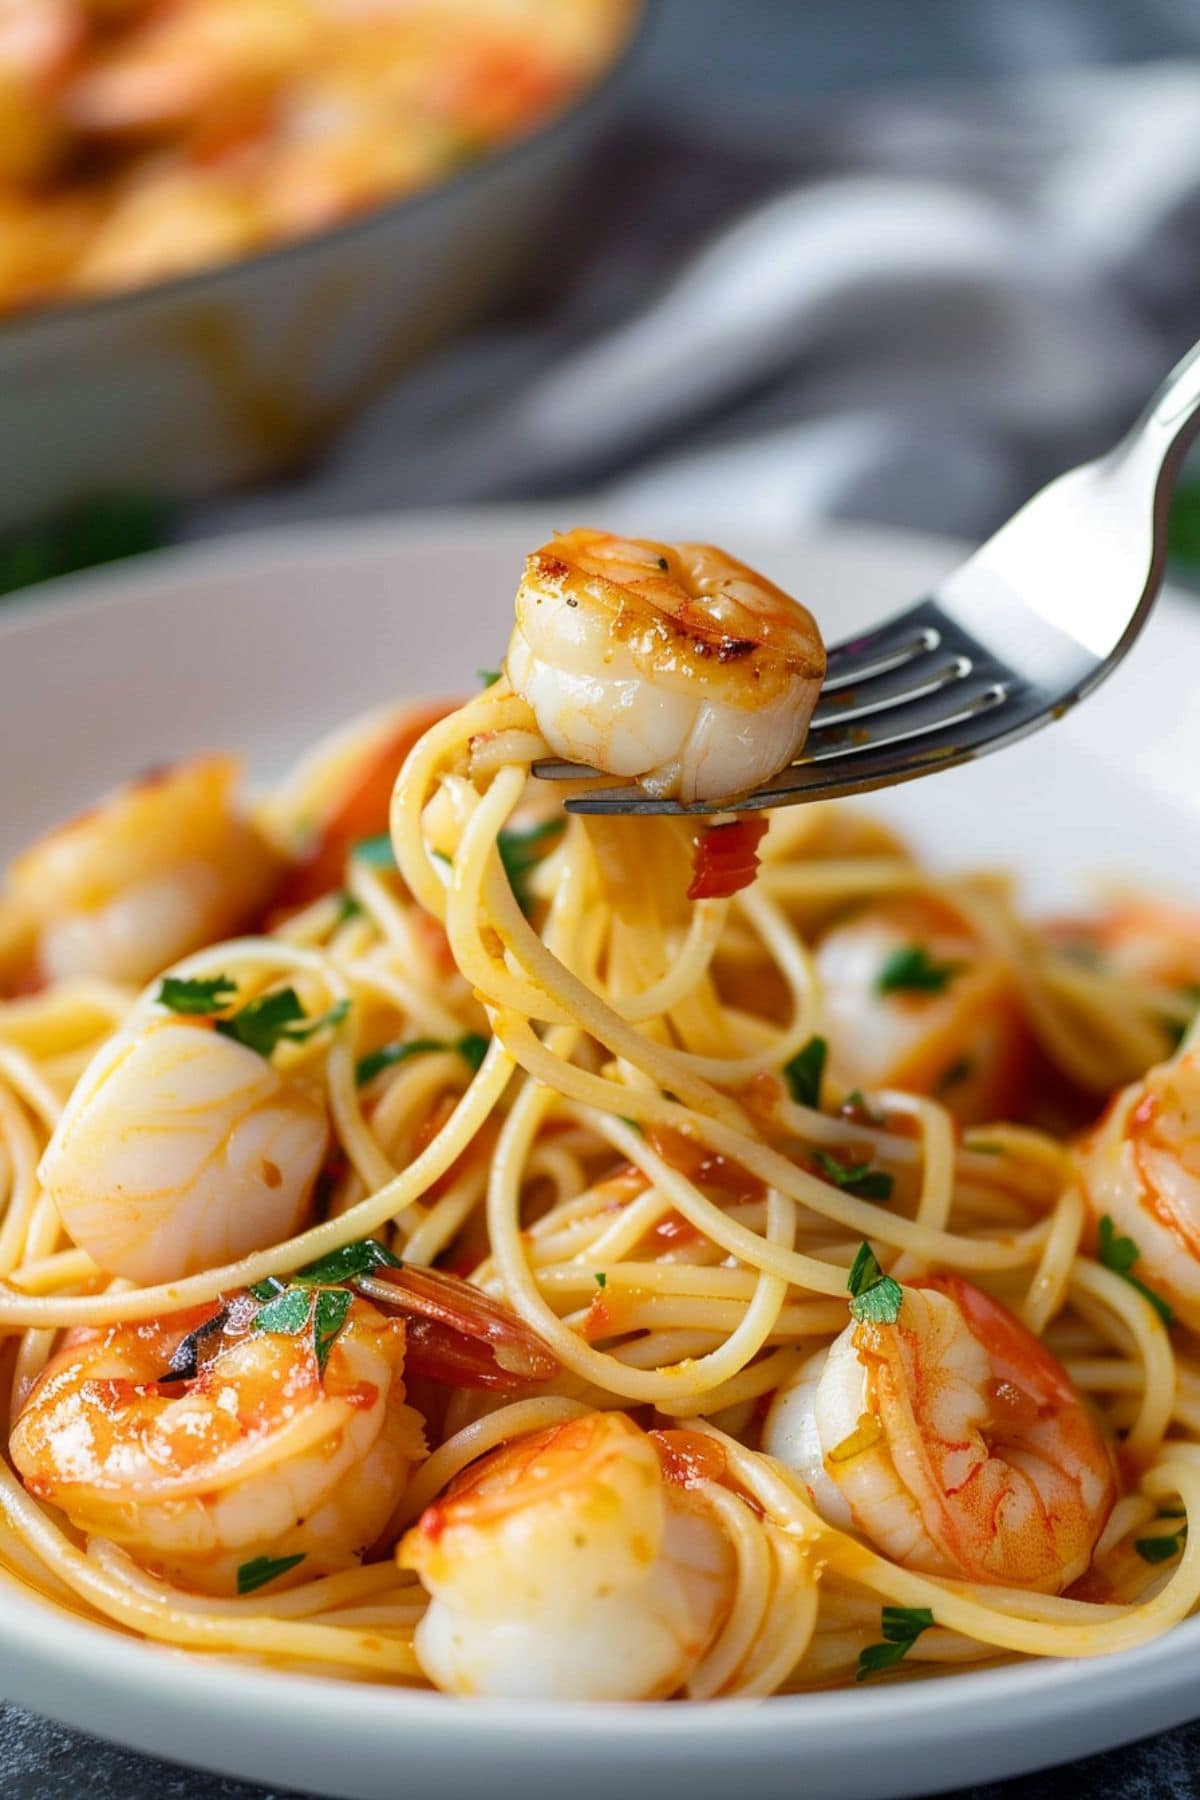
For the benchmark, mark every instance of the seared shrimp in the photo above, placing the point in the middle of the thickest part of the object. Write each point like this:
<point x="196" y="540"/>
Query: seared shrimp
<point x="952" y="1440"/>
<point x="674" y="663"/>
<point x="181" y="1150"/>
<point x="1141" y="1167"/>
<point x="910" y="1001"/>
<point x="162" y="867"/>
<point x="201" y="1443"/>
<point x="567" y="1564"/>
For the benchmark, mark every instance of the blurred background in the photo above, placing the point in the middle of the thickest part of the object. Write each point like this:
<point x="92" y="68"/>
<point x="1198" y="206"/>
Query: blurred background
<point x="766" y="262"/>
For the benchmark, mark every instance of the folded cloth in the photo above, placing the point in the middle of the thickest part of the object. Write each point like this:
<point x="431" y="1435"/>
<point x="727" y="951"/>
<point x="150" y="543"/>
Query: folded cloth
<point x="912" y="310"/>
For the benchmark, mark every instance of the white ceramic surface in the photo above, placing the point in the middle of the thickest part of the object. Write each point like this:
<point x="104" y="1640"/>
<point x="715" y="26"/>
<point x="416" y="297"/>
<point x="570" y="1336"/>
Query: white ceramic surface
<point x="264" y="644"/>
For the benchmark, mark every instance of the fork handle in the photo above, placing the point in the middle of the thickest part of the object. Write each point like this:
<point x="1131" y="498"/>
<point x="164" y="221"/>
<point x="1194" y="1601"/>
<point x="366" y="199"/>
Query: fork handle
<point x="1155" y="445"/>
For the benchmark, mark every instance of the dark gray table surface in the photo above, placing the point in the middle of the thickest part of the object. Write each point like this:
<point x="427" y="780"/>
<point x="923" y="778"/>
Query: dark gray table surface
<point x="43" y="1762"/>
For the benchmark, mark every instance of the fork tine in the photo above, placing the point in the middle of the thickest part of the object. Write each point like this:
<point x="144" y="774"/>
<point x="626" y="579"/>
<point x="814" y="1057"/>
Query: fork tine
<point x="921" y="741"/>
<point x="895" y="646"/>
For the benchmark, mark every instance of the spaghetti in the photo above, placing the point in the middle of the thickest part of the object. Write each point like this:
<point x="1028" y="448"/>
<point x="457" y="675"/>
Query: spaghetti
<point x="621" y="1125"/>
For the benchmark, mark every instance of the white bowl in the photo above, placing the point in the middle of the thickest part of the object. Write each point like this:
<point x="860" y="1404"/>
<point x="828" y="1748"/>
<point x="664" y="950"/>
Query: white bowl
<point x="263" y="644"/>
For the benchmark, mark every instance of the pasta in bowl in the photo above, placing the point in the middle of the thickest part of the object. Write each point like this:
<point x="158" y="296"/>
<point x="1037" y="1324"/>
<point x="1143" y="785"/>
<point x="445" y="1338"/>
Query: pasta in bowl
<point x="658" y="1237"/>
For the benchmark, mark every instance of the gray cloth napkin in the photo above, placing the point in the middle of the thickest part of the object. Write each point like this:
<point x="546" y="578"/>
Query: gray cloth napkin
<point x="907" y="308"/>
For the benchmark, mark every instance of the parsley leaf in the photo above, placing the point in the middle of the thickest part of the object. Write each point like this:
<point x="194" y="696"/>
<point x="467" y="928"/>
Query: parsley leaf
<point x="874" y="1295"/>
<point x="855" y="1178"/>
<point x="329" y="1315"/>
<point x="264" y="1569"/>
<point x="600" y="1278"/>
<point x="805" y="1071"/>
<point x="277" y="1018"/>
<point x="901" y="1627"/>
<point x="1162" y="1548"/>
<point x="489" y="677"/>
<point x="287" y="1312"/>
<point x="359" y="1258"/>
<point x="858" y="1109"/>
<point x="1119" y="1254"/>
<point x="204" y="995"/>
<point x="375" y="850"/>
<point x="520" y="854"/>
<point x="348" y="908"/>
<point x="913" y="970"/>
<point x="472" y="1048"/>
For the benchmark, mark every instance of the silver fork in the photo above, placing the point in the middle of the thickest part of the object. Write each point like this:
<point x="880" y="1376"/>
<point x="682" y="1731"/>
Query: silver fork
<point x="1024" y="629"/>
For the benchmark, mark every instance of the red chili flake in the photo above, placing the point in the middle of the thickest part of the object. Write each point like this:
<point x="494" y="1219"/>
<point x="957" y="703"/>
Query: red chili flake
<point x="726" y="859"/>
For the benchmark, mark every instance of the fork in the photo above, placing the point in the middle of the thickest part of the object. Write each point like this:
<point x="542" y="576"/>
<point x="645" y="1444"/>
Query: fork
<point x="1025" y="628"/>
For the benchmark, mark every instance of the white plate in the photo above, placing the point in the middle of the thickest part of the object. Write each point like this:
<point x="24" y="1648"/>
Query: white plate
<point x="265" y="643"/>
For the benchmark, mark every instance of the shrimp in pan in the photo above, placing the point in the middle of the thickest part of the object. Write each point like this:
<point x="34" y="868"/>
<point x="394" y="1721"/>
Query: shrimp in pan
<point x="672" y="663"/>
<point x="568" y="1564"/>
<point x="952" y="1440"/>
<point x="201" y="1443"/>
<point x="1141" y="1167"/>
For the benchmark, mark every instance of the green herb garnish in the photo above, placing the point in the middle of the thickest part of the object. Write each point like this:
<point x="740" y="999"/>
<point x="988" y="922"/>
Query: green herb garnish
<point x="874" y="1295"/>
<point x="359" y="1258"/>
<point x="472" y="1048"/>
<point x="600" y="1278"/>
<point x="277" y="1018"/>
<point x="348" y="908"/>
<point x="520" y="854"/>
<point x="263" y="1570"/>
<point x="97" y="531"/>
<point x="375" y="850"/>
<point x="901" y="1627"/>
<point x="912" y="970"/>
<point x="204" y="995"/>
<point x="858" y="1108"/>
<point x="287" y="1312"/>
<point x="489" y="677"/>
<point x="329" y="1315"/>
<point x="1162" y="1548"/>
<point x="1119" y="1254"/>
<point x="855" y="1178"/>
<point x="805" y="1072"/>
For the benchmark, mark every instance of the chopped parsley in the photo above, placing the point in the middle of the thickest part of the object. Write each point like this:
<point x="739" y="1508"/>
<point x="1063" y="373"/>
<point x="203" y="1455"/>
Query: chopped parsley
<point x="520" y="853"/>
<point x="329" y="1315"/>
<point x="348" y="908"/>
<point x="375" y="850"/>
<point x="1119" y="1254"/>
<point x="901" y="1627"/>
<point x="855" y="1178"/>
<point x="197" y="997"/>
<point x="489" y="677"/>
<point x="277" y="1018"/>
<point x="873" y="1295"/>
<point x="263" y="1570"/>
<point x="1162" y="1548"/>
<point x="600" y="1278"/>
<point x="261" y="1024"/>
<point x="295" y="1310"/>
<point x="805" y="1072"/>
<point x="472" y="1048"/>
<point x="359" y="1258"/>
<point x="859" y="1110"/>
<point x="911" y="970"/>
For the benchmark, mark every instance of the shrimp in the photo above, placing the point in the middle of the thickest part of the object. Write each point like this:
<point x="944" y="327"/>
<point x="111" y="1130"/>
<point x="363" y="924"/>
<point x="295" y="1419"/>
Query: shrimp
<point x="569" y="1564"/>
<point x="180" y="1150"/>
<point x="201" y="1443"/>
<point x="161" y="868"/>
<point x="911" y="1001"/>
<point x="675" y="664"/>
<point x="952" y="1440"/>
<point x="1141" y="1166"/>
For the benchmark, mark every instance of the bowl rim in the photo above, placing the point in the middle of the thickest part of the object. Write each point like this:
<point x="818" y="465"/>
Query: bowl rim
<point x="54" y="314"/>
